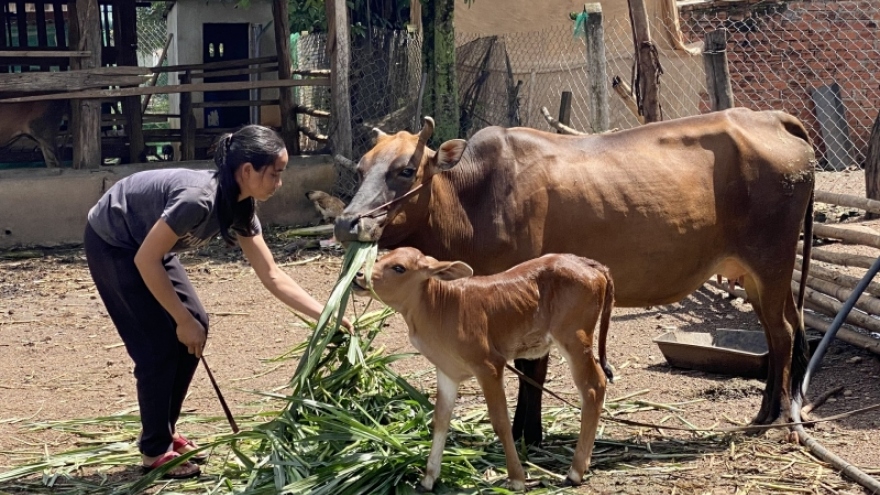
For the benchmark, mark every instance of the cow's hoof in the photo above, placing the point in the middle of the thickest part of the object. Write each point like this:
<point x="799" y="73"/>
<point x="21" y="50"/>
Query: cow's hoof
<point x="516" y="485"/>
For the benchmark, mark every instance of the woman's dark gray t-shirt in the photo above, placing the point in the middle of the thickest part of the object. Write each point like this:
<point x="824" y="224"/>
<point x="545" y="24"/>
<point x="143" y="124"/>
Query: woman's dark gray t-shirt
<point x="184" y="199"/>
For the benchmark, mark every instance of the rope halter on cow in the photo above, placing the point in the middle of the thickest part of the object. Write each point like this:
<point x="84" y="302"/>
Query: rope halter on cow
<point x="416" y="160"/>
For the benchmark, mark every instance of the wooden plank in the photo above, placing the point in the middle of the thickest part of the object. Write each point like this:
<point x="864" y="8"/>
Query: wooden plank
<point x="597" y="71"/>
<point x="42" y="37"/>
<point x="44" y="53"/>
<point x="34" y="82"/>
<point x="717" y="71"/>
<point x="228" y="64"/>
<point x="847" y="235"/>
<point x="21" y="17"/>
<point x="60" y="37"/>
<point x="338" y="47"/>
<point x="177" y="88"/>
<point x="234" y="103"/>
<point x="565" y="108"/>
<point x="86" y="114"/>
<point x="289" y="131"/>
<point x="832" y="120"/>
<point x="235" y="72"/>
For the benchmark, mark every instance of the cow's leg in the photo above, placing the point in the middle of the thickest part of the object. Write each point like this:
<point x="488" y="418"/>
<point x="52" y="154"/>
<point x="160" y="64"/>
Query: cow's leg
<point x="527" y="418"/>
<point x="492" y="382"/>
<point x="772" y="300"/>
<point x="590" y="380"/>
<point x="447" y="392"/>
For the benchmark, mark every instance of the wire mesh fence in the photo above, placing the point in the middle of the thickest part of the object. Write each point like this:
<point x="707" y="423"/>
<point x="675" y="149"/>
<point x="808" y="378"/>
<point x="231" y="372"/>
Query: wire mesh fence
<point x="818" y="60"/>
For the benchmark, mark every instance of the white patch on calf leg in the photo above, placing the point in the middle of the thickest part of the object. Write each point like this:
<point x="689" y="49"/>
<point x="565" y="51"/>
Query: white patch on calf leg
<point x="447" y="392"/>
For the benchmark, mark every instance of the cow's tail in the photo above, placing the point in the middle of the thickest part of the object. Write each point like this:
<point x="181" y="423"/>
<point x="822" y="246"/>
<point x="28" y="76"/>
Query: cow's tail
<point x="604" y="323"/>
<point x="800" y="353"/>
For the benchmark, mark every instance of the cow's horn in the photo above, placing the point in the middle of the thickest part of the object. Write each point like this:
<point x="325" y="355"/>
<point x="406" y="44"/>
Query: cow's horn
<point x="427" y="129"/>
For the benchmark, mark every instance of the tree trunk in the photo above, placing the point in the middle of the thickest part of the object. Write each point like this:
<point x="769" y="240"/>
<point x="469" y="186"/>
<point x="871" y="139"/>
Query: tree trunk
<point x="438" y="56"/>
<point x="872" y="165"/>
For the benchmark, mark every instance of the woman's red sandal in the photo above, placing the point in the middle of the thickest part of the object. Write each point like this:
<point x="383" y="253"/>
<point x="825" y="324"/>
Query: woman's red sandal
<point x="183" y="471"/>
<point x="181" y="442"/>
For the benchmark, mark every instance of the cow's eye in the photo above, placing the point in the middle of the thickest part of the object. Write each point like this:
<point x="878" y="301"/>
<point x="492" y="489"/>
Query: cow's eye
<point x="399" y="268"/>
<point x="407" y="172"/>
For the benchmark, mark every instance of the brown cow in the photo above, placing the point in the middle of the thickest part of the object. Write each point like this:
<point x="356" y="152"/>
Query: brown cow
<point x="472" y="327"/>
<point x="664" y="206"/>
<point x="39" y="120"/>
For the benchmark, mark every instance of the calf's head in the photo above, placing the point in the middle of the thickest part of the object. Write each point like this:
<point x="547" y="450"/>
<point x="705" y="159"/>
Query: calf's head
<point x="401" y="274"/>
<point x="396" y="165"/>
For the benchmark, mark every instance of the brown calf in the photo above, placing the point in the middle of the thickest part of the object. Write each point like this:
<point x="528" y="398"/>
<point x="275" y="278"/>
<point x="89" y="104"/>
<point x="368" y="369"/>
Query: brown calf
<point x="473" y="327"/>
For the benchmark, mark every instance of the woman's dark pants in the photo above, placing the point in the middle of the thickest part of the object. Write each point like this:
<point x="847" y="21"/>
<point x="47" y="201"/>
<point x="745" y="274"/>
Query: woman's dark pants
<point x="163" y="366"/>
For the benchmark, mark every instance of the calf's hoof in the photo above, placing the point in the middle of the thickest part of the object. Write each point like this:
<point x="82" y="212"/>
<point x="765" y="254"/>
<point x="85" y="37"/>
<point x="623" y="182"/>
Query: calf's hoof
<point x="427" y="485"/>
<point x="516" y="485"/>
<point x="573" y="479"/>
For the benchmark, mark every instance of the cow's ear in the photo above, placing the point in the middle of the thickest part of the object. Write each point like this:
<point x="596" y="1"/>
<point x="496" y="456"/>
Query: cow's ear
<point x="451" y="270"/>
<point x="449" y="154"/>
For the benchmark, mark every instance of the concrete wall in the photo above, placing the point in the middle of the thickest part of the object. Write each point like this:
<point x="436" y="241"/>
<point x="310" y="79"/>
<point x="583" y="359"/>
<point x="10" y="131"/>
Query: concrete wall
<point x="185" y="20"/>
<point x="49" y="207"/>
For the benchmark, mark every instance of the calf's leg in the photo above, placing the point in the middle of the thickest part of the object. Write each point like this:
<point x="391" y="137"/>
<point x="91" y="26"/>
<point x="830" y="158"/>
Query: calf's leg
<point x="590" y="381"/>
<point x="527" y="417"/>
<point x="447" y="392"/>
<point x="491" y="381"/>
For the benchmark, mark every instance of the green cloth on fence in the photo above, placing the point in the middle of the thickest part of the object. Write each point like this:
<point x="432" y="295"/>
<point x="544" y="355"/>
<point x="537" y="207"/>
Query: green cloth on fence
<point x="580" y="24"/>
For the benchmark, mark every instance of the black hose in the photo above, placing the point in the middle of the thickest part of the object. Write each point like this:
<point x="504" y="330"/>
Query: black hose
<point x="806" y="440"/>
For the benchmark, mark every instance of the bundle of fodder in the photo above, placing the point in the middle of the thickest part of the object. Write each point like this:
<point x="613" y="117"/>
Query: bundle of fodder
<point x="352" y="425"/>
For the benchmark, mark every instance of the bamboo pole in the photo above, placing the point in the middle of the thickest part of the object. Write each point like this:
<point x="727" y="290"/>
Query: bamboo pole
<point x="868" y="304"/>
<point x="846" y="235"/>
<point x="830" y="306"/>
<point x="869" y="205"/>
<point x="842" y="259"/>
<point x="844" y="334"/>
<point x="840" y="278"/>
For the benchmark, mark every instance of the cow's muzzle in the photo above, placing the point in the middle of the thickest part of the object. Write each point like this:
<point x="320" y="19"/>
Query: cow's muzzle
<point x="360" y="229"/>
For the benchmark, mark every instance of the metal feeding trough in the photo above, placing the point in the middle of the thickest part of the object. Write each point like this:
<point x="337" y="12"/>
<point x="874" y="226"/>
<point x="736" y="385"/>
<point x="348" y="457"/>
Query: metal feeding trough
<point x="724" y="350"/>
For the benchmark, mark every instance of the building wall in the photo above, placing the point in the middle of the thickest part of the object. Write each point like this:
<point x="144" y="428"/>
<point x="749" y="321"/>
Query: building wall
<point x="185" y="20"/>
<point x="778" y="55"/>
<point x="58" y="200"/>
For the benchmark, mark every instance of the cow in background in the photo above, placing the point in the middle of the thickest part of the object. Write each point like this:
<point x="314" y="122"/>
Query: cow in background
<point x="38" y="120"/>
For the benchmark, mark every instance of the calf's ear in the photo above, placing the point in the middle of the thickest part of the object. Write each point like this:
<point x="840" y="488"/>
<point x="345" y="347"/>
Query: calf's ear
<point x="449" y="154"/>
<point x="450" y="270"/>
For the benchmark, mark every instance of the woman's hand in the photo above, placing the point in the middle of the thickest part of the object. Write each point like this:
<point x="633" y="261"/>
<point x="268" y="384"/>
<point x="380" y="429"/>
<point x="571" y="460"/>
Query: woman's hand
<point x="347" y="324"/>
<point x="192" y="334"/>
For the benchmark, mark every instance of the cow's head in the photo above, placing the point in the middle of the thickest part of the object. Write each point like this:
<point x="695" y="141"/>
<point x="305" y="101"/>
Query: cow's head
<point x="395" y="167"/>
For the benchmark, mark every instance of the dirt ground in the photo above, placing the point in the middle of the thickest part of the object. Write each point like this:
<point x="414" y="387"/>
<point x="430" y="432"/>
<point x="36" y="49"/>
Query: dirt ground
<point x="61" y="359"/>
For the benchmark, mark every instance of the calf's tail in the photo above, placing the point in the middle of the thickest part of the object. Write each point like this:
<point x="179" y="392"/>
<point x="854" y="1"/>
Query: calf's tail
<point x="604" y="323"/>
<point x="800" y="358"/>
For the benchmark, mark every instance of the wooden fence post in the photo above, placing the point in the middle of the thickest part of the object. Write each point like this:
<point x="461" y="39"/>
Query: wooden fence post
<point x="717" y="72"/>
<point x="86" y="113"/>
<point x="187" y="121"/>
<point x="131" y="105"/>
<point x="647" y="83"/>
<point x="565" y="109"/>
<point x="289" y="130"/>
<point x="597" y="89"/>
<point x="339" y="49"/>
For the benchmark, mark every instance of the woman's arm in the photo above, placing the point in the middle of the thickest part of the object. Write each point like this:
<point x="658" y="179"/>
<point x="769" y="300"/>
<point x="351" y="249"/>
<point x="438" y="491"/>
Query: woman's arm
<point x="277" y="281"/>
<point x="159" y="241"/>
